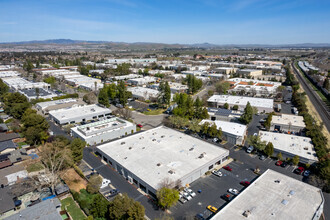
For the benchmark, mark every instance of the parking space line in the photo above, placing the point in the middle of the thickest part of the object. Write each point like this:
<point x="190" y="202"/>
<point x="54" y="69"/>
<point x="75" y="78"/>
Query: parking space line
<point x="270" y="160"/>
<point x="287" y="167"/>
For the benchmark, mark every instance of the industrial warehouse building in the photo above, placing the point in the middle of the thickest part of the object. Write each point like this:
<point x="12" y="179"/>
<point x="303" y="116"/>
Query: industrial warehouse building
<point x="288" y="123"/>
<point x="45" y="107"/>
<point x="291" y="145"/>
<point x="275" y="196"/>
<point x="103" y="131"/>
<point x="149" y="158"/>
<point x="262" y="105"/>
<point x="78" y="114"/>
<point x="234" y="133"/>
<point x="250" y="72"/>
<point x="143" y="94"/>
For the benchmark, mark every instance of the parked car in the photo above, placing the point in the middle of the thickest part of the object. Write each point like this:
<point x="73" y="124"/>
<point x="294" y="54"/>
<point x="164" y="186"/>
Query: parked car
<point x="227" y="197"/>
<point x="284" y="164"/>
<point x="262" y="157"/>
<point x="199" y="216"/>
<point x="250" y="149"/>
<point x="245" y="183"/>
<point x="227" y="168"/>
<point x="299" y="170"/>
<point x="307" y="173"/>
<point x="112" y="193"/>
<point x="182" y="199"/>
<point x="190" y="192"/>
<point x="217" y="173"/>
<point x="212" y="208"/>
<point x="233" y="191"/>
<point x="187" y="196"/>
<point x="139" y="125"/>
<point x="279" y="163"/>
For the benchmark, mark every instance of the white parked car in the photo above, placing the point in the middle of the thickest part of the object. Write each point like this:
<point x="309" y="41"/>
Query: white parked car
<point x="233" y="191"/>
<point x="187" y="196"/>
<point x="105" y="183"/>
<point x="192" y="193"/>
<point x="217" y="172"/>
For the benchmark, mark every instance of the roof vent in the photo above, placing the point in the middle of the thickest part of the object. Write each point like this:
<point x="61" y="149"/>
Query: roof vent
<point x="292" y="192"/>
<point x="122" y="143"/>
<point x="191" y="149"/>
<point x="162" y="136"/>
<point x="125" y="158"/>
<point x="246" y="213"/>
<point x="158" y="164"/>
<point x="171" y="171"/>
<point x="285" y="202"/>
<point x="154" y="139"/>
<point x="130" y="148"/>
<point x="277" y="181"/>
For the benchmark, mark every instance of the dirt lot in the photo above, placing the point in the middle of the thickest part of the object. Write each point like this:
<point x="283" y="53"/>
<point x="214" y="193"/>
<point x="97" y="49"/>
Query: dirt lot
<point x="73" y="180"/>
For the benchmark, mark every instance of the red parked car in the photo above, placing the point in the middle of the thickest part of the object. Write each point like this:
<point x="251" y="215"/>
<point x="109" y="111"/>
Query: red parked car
<point x="227" y="168"/>
<point x="299" y="170"/>
<point x="245" y="183"/>
<point x="139" y="125"/>
<point x="279" y="163"/>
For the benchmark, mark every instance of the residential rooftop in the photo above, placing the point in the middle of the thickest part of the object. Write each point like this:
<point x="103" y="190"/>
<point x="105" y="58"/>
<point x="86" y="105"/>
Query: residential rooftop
<point x="161" y="153"/>
<point x="274" y="196"/>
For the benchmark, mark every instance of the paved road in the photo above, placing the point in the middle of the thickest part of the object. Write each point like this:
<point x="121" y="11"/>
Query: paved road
<point x="119" y="182"/>
<point x="319" y="105"/>
<point x="57" y="129"/>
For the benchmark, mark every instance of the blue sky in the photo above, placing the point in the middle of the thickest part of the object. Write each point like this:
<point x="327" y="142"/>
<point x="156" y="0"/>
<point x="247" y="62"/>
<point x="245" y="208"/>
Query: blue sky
<point x="167" y="21"/>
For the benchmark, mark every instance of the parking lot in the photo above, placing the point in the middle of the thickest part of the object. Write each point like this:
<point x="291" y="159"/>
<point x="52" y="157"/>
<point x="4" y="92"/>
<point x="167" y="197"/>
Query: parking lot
<point x="212" y="187"/>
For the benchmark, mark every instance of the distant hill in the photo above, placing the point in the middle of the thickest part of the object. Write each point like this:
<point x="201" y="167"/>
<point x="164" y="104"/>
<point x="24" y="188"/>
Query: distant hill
<point x="148" y="45"/>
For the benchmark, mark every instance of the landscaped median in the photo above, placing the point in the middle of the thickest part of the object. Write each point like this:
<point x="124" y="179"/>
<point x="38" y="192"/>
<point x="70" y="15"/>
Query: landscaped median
<point x="154" y="112"/>
<point x="72" y="208"/>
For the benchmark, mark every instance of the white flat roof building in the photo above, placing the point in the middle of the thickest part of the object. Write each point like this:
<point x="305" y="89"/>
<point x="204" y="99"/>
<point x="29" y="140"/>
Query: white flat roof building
<point x="175" y="87"/>
<point x="58" y="73"/>
<point x="44" y="105"/>
<point x="17" y="83"/>
<point x="77" y="80"/>
<point x="234" y="133"/>
<point x="263" y="105"/>
<point x="150" y="157"/>
<point x="6" y="74"/>
<point x="142" y="81"/>
<point x="143" y="93"/>
<point x="103" y="131"/>
<point x="275" y="196"/>
<point x="286" y="122"/>
<point x="250" y="72"/>
<point x="78" y="114"/>
<point x="291" y="145"/>
<point x="129" y="76"/>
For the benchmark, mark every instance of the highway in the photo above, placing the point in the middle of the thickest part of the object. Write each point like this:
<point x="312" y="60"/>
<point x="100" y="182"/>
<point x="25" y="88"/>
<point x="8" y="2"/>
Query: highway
<point x="319" y="105"/>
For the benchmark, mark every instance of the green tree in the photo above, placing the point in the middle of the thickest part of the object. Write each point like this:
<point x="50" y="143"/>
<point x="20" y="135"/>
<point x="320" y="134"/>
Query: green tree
<point x="194" y="125"/>
<point x="269" y="150"/>
<point x="167" y="95"/>
<point x="226" y="105"/>
<point x="123" y="94"/>
<point x="34" y="127"/>
<point x="167" y="197"/>
<point x="279" y="156"/>
<point x="213" y="131"/>
<point x="15" y="104"/>
<point x="94" y="184"/>
<point x="99" y="206"/>
<point x="123" y="207"/>
<point x="90" y="98"/>
<point x="246" y="117"/>
<point x="269" y="120"/>
<point x="28" y="66"/>
<point x="222" y="87"/>
<point x="205" y="128"/>
<point x="256" y="142"/>
<point x="295" y="160"/>
<point x="3" y="88"/>
<point x="235" y="107"/>
<point x="103" y="97"/>
<point x="77" y="146"/>
<point x="50" y="80"/>
<point x="193" y="83"/>
<point x="112" y="91"/>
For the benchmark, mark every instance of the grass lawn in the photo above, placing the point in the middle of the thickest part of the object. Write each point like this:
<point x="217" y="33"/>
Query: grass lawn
<point x="154" y="112"/>
<point x="35" y="167"/>
<point x="72" y="208"/>
<point x="20" y="144"/>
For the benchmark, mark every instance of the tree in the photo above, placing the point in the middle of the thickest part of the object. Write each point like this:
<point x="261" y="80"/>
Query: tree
<point x="269" y="150"/>
<point x="269" y="120"/>
<point x="167" y="95"/>
<point x="99" y="206"/>
<point x="164" y="93"/>
<point x="94" y="184"/>
<point x="112" y="91"/>
<point x="123" y="94"/>
<point x="222" y="87"/>
<point x="235" y="107"/>
<point x="295" y="160"/>
<point x="123" y="207"/>
<point x="194" y="125"/>
<point x="90" y="98"/>
<point x="15" y="104"/>
<point x="205" y="128"/>
<point x="167" y="197"/>
<point x="256" y="142"/>
<point x="3" y="88"/>
<point x="226" y="105"/>
<point x="55" y="157"/>
<point x="326" y="84"/>
<point x="213" y="131"/>
<point x="279" y="156"/>
<point x="35" y="127"/>
<point x="77" y="146"/>
<point x="246" y="117"/>
<point x="103" y="97"/>
<point x="193" y="83"/>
